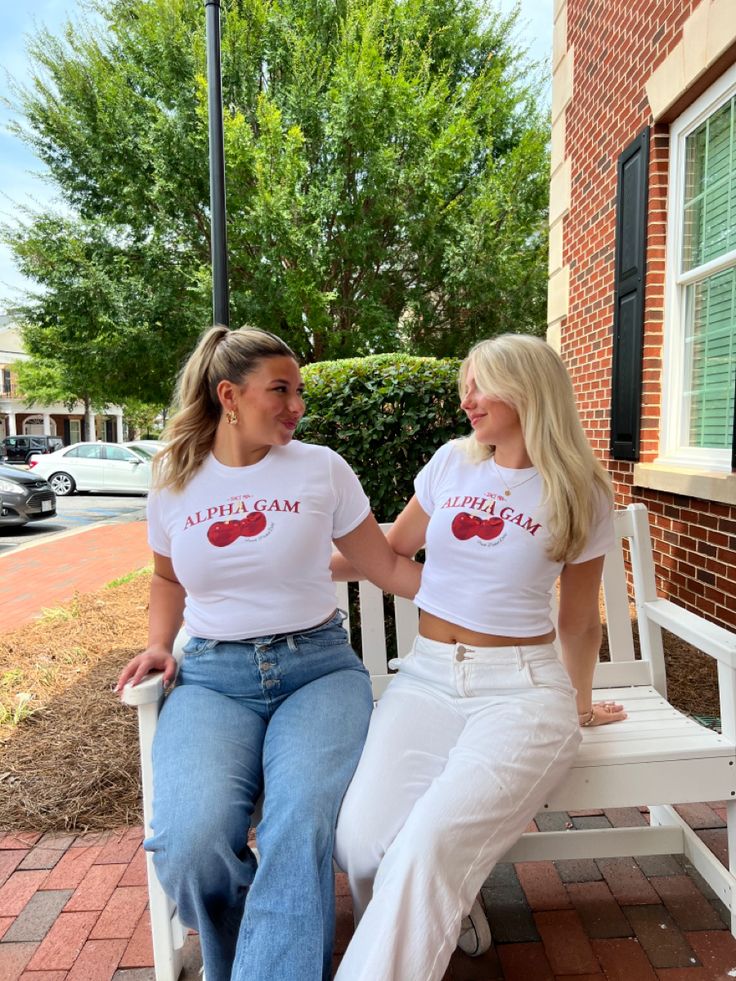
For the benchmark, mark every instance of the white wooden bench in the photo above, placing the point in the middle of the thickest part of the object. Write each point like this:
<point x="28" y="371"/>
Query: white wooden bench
<point x="657" y="756"/>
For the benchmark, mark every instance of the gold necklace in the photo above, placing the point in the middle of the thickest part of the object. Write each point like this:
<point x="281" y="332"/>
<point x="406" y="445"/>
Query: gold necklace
<point x="508" y="490"/>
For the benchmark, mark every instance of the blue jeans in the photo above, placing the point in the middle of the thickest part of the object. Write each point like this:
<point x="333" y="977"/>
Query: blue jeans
<point x="286" y="715"/>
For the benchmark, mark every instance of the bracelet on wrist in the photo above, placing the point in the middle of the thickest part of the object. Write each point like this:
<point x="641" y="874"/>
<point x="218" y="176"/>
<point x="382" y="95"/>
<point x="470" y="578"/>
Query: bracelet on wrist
<point x="586" y="718"/>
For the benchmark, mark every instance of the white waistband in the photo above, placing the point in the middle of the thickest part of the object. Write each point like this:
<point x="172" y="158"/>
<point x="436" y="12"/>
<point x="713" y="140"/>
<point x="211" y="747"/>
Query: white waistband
<point x="511" y="653"/>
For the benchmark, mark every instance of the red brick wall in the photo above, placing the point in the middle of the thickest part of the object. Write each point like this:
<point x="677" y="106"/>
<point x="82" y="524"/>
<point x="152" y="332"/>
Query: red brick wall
<point x="617" y="44"/>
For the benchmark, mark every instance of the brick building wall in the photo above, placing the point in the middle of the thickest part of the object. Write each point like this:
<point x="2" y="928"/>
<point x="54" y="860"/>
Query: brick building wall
<point x="617" y="44"/>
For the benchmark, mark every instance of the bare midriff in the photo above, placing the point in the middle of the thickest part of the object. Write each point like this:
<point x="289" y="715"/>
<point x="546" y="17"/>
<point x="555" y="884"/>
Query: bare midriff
<point x="435" y="628"/>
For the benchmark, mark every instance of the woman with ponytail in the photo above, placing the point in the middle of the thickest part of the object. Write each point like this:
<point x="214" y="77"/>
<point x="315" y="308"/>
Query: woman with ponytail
<point x="270" y="698"/>
<point x="482" y="720"/>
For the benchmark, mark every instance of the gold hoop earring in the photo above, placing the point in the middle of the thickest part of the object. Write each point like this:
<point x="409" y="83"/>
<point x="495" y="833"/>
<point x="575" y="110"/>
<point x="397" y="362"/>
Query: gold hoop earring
<point x="232" y="416"/>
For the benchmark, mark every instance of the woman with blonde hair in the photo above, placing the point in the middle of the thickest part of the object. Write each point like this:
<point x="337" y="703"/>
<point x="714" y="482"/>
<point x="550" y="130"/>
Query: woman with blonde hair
<point x="270" y="697"/>
<point x="482" y="719"/>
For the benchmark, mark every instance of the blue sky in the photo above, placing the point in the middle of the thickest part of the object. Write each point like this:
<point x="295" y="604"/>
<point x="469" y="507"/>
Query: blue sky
<point x="21" y="174"/>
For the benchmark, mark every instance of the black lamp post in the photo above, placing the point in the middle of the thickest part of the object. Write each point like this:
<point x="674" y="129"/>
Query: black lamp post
<point x="218" y="214"/>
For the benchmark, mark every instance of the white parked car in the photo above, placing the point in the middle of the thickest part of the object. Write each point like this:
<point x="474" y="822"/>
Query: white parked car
<point x="108" y="467"/>
<point x="148" y="447"/>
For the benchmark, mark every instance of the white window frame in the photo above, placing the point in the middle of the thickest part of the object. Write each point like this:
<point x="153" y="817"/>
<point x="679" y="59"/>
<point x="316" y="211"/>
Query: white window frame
<point x="673" y="450"/>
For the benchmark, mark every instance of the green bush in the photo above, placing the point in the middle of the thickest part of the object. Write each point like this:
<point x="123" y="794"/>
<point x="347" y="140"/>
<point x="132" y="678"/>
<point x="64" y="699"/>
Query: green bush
<point x="386" y="414"/>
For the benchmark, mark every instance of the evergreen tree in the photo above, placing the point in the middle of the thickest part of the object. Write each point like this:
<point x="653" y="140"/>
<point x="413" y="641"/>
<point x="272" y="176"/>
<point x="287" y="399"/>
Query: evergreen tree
<point x="387" y="174"/>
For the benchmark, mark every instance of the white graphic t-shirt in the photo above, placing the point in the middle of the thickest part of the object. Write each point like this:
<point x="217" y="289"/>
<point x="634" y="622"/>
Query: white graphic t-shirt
<point x="486" y="564"/>
<point x="251" y="545"/>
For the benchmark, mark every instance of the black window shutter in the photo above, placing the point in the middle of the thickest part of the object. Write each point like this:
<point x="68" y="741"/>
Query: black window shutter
<point x="628" y="297"/>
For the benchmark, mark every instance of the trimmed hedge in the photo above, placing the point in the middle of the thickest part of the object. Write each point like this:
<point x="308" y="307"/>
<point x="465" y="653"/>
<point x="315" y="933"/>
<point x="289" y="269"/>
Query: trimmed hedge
<point x="386" y="414"/>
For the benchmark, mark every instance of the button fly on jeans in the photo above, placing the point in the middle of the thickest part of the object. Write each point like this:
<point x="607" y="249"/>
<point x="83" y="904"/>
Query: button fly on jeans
<point x="462" y="653"/>
<point x="265" y="665"/>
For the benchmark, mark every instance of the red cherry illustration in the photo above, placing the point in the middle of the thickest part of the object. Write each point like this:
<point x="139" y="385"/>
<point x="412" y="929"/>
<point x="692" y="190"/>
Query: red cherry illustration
<point x="223" y="533"/>
<point x="490" y="529"/>
<point x="253" y="524"/>
<point x="465" y="525"/>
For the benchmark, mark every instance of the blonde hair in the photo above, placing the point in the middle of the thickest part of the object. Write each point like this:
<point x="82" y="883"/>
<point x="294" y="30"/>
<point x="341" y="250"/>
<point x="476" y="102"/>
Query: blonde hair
<point x="221" y="355"/>
<point x="527" y="374"/>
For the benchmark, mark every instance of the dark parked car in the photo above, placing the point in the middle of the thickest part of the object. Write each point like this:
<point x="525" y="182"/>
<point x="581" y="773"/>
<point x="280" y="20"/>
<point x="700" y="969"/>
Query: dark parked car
<point x="24" y="497"/>
<point x="19" y="449"/>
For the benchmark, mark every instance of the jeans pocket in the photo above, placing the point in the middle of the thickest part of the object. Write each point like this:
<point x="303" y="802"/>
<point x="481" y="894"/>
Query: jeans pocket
<point x="401" y="663"/>
<point x="549" y="674"/>
<point x="330" y="634"/>
<point x="198" y="645"/>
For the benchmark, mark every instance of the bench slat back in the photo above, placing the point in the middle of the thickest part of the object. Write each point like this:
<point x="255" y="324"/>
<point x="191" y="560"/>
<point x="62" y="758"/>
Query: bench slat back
<point x="616" y="596"/>
<point x="372" y="628"/>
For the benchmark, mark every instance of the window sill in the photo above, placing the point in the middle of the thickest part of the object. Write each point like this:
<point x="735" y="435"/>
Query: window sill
<point x="708" y="486"/>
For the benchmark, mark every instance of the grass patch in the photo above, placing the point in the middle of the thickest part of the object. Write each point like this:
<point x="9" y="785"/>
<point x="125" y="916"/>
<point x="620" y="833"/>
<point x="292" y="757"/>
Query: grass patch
<point x="15" y="703"/>
<point x="129" y="577"/>
<point x="54" y="614"/>
<point x="13" y="711"/>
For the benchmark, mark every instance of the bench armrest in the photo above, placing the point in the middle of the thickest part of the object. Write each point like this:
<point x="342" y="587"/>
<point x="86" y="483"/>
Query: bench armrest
<point x="713" y="640"/>
<point x="150" y="689"/>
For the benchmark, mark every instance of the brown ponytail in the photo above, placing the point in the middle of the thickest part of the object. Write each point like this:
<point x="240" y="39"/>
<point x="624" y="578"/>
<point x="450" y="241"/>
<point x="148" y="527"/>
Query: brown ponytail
<point x="221" y="355"/>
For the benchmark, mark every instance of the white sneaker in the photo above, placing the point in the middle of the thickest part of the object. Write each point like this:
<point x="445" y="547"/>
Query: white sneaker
<point x="475" y="934"/>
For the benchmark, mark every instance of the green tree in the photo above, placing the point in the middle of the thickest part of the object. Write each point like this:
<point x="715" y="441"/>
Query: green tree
<point x="112" y="317"/>
<point x="141" y="418"/>
<point x="46" y="381"/>
<point x="386" y="173"/>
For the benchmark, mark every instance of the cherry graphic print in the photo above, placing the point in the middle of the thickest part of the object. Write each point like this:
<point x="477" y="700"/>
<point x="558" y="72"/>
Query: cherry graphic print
<point x="465" y="526"/>
<point x="223" y="533"/>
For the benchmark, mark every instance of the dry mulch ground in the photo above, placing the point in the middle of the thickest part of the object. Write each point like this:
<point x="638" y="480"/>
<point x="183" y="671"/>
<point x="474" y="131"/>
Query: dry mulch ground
<point x="70" y="752"/>
<point x="72" y="764"/>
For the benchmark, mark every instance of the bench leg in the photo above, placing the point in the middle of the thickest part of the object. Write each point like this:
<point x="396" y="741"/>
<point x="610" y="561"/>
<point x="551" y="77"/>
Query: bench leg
<point x="731" y="822"/>
<point x="722" y="880"/>
<point x="167" y="932"/>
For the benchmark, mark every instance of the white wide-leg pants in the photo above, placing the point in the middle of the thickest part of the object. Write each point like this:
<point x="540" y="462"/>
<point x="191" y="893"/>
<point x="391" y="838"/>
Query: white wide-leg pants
<point x="462" y="750"/>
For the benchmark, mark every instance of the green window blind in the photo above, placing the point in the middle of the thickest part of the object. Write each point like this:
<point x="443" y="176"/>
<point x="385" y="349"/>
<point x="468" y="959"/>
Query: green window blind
<point x="710" y="303"/>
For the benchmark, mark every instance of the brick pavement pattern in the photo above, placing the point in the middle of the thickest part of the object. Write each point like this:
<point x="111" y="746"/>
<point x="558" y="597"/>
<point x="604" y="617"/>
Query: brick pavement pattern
<point x="51" y="572"/>
<point x="74" y="907"/>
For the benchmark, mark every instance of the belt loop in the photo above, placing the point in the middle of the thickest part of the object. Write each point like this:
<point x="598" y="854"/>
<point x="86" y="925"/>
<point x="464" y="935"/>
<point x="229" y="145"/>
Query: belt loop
<point x="519" y="657"/>
<point x="291" y="643"/>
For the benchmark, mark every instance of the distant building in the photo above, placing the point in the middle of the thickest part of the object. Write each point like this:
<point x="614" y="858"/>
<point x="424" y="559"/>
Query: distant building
<point x="17" y="418"/>
<point x="642" y="288"/>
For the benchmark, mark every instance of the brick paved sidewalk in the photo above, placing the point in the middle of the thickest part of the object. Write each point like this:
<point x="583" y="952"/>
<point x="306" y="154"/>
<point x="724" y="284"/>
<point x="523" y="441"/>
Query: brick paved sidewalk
<point x="49" y="573"/>
<point x="74" y="909"/>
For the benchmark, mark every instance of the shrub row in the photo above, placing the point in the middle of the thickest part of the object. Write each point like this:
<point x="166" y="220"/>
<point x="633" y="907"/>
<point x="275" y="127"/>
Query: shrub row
<point x="385" y="414"/>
